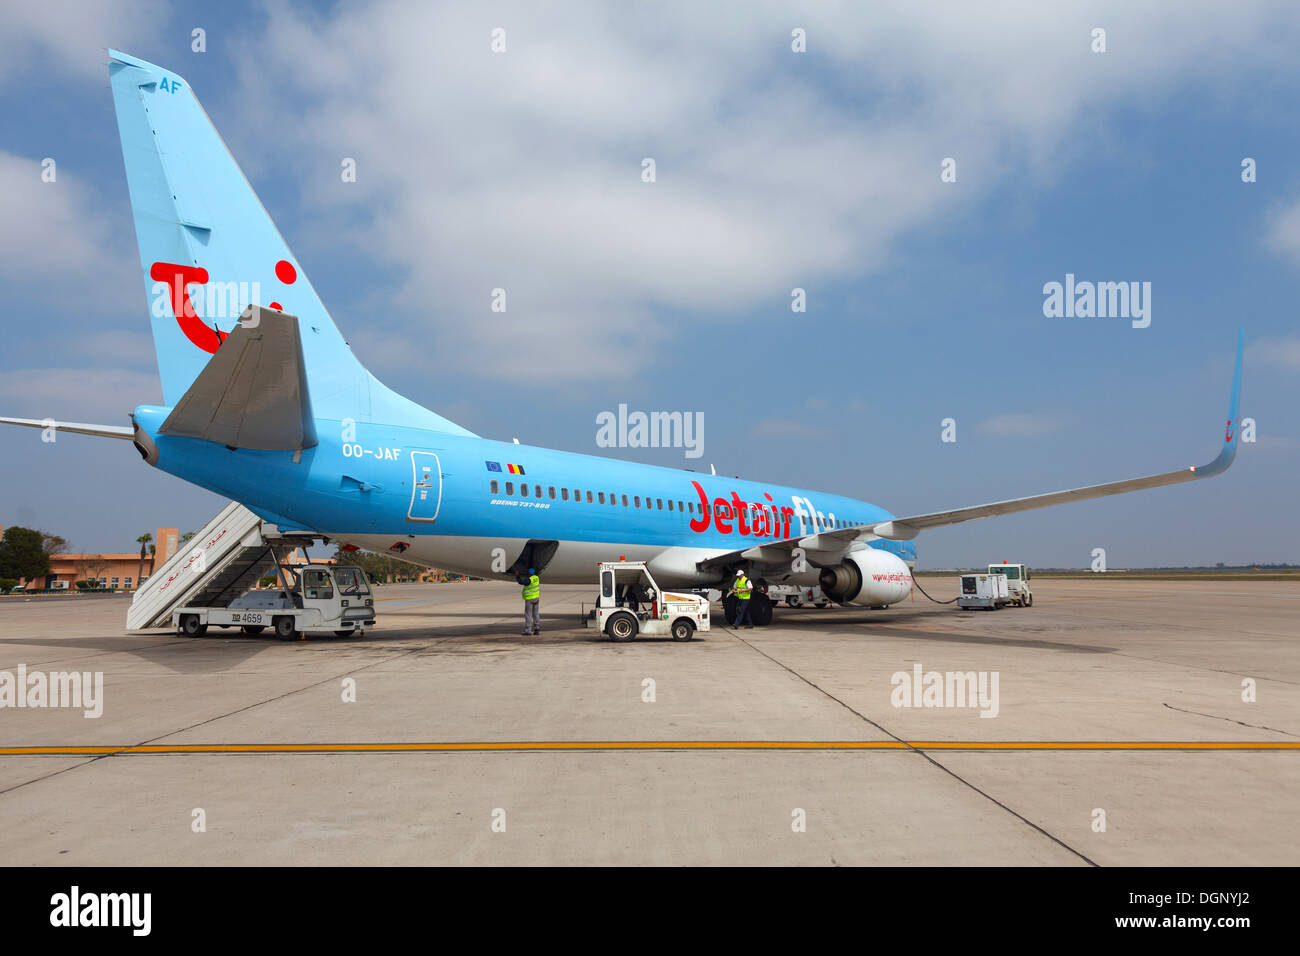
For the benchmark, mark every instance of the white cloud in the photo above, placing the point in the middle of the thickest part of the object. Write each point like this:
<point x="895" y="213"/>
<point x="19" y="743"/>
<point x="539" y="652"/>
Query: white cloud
<point x="55" y="37"/>
<point x="522" y="170"/>
<point x="1018" y="426"/>
<point x="99" y="396"/>
<point x="1282" y="352"/>
<point x="57" y="240"/>
<point x="1283" y="234"/>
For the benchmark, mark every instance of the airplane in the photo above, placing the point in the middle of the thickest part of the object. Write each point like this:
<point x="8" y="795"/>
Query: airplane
<point x="267" y="405"/>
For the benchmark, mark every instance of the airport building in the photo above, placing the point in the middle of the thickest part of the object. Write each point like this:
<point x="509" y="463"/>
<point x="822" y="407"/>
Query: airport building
<point x="114" y="571"/>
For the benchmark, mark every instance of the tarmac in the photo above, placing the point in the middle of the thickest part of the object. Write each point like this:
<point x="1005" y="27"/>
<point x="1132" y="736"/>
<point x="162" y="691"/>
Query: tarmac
<point x="1118" y="735"/>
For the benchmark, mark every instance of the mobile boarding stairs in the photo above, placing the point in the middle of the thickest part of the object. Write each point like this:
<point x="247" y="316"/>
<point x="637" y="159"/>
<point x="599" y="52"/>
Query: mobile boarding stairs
<point x="230" y="555"/>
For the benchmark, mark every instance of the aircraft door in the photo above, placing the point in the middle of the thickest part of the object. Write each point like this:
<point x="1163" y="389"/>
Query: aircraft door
<point x="426" y="487"/>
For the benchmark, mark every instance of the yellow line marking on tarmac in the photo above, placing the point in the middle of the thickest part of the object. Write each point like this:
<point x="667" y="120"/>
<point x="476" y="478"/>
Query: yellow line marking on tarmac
<point x="580" y="745"/>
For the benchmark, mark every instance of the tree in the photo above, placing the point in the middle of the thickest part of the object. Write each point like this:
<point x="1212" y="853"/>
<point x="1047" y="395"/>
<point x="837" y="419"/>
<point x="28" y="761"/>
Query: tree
<point x="52" y="544"/>
<point x="378" y="567"/>
<point x="22" y="554"/>
<point x="143" y="540"/>
<point x="7" y="585"/>
<point x="92" y="567"/>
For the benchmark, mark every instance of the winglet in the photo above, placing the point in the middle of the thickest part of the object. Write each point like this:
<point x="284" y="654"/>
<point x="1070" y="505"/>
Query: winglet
<point x="1230" y="441"/>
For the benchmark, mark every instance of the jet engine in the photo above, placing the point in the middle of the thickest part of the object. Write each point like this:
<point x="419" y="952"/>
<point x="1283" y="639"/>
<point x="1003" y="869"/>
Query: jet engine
<point x="867" y="578"/>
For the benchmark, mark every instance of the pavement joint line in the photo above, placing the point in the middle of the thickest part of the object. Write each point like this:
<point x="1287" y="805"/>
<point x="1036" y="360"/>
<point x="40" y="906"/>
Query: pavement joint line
<point x="656" y="745"/>
<point x="96" y="755"/>
<point x="924" y="753"/>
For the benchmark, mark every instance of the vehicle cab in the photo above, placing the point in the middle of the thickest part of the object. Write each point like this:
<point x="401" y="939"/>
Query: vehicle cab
<point x="631" y="603"/>
<point x="1017" y="576"/>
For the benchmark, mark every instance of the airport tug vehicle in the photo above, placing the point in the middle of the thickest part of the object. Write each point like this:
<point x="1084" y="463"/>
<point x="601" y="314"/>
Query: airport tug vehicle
<point x="1017" y="576"/>
<point x="313" y="598"/>
<point x="631" y="603"/>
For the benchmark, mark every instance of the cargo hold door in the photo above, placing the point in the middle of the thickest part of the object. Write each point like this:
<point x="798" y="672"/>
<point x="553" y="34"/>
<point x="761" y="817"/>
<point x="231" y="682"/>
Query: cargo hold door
<point x="426" y="487"/>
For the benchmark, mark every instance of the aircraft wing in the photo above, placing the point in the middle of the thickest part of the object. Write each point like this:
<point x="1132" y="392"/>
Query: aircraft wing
<point x="827" y="543"/>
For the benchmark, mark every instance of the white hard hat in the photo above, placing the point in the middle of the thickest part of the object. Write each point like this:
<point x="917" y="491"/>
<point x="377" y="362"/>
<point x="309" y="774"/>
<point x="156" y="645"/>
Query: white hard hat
<point x="740" y="574"/>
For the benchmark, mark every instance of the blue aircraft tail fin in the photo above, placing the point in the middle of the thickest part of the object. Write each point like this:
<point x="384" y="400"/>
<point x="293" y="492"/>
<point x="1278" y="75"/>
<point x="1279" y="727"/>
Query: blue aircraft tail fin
<point x="208" y="250"/>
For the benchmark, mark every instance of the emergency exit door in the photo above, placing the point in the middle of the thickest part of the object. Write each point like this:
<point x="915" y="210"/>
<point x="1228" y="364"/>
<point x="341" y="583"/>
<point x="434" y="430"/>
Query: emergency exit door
<point x="426" y="487"/>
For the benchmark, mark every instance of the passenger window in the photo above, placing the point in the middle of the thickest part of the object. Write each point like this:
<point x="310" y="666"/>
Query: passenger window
<point x="523" y="490"/>
<point x="564" y="493"/>
<point x="494" y="486"/>
<point x="602" y="500"/>
<point x="625" y="501"/>
<point x="550" y="491"/>
<point x="637" y="500"/>
<point x="510" y="487"/>
<point x="661" y="504"/>
<point x="602" y="497"/>
<point x="670" y="504"/>
<point x="680" y="508"/>
<point x="537" y="490"/>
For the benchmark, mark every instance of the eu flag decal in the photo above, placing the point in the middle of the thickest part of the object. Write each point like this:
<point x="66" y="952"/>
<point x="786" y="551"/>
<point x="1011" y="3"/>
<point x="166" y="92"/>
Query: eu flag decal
<point x="494" y="466"/>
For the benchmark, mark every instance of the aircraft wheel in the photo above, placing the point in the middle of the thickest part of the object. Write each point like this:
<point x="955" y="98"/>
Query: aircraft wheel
<point x="729" y="608"/>
<point x="760" y="610"/>
<point x="253" y="628"/>
<point x="822" y="604"/>
<point x="683" y="630"/>
<point x="191" y="627"/>
<point x="284" y="628"/>
<point x="621" y="627"/>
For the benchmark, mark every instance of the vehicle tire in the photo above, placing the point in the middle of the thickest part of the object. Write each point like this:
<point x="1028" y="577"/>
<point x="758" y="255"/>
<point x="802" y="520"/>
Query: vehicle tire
<point x="621" y="627"/>
<point x="253" y="628"/>
<point x="729" y="607"/>
<point x="760" y="610"/>
<point x="683" y="630"/>
<point x="1029" y="601"/>
<point x="191" y="627"/>
<point x="347" y="633"/>
<point x="794" y="601"/>
<point x="823" y="604"/>
<point x="284" y="628"/>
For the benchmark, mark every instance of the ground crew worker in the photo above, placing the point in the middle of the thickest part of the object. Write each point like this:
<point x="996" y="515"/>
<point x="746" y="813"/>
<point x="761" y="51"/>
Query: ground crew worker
<point x="743" y="589"/>
<point x="532" y="599"/>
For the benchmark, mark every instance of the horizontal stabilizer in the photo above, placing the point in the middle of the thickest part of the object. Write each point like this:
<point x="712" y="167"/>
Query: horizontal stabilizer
<point x="74" y="428"/>
<point x="253" y="392"/>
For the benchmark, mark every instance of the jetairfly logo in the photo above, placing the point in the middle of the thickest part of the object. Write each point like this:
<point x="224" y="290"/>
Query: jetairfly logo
<point x="948" y="689"/>
<point x="652" y="430"/>
<point x="1102" y="300"/>
<point x="761" y="519"/>
<point x="77" y="689"/>
<point x="75" y="908"/>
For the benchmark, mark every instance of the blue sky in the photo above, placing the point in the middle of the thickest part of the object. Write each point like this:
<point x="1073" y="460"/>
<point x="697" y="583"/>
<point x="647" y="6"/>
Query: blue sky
<point x="774" y="170"/>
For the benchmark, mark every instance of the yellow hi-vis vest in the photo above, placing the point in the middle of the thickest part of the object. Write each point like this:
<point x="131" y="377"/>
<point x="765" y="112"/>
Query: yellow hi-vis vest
<point x="743" y="588"/>
<point x="533" y="589"/>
